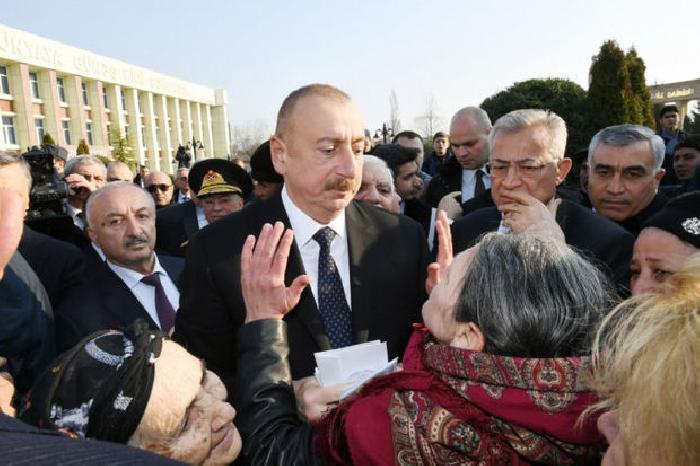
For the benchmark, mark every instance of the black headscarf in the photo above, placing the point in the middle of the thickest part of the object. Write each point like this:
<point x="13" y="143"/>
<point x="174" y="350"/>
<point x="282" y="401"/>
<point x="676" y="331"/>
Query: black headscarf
<point x="99" y="388"/>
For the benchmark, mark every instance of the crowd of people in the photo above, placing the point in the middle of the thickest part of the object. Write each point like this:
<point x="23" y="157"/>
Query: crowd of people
<point x="537" y="320"/>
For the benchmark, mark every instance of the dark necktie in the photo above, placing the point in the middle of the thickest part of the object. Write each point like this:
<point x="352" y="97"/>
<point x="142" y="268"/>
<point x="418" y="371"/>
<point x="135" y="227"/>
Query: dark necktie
<point x="479" y="186"/>
<point x="332" y="304"/>
<point x="165" y="311"/>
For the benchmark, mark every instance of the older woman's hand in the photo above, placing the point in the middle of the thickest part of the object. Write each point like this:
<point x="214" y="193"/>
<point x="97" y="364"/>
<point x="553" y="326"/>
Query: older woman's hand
<point x="263" y="263"/>
<point x="444" y="255"/>
<point x="526" y="214"/>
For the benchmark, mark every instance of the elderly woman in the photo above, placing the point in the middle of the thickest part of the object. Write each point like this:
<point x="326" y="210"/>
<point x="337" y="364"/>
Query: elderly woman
<point x="140" y="388"/>
<point x="378" y="185"/>
<point x="647" y="354"/>
<point x="669" y="237"/>
<point x="497" y="377"/>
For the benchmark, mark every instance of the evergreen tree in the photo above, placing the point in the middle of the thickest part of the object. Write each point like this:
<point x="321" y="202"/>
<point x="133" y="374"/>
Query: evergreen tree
<point x="641" y="110"/>
<point x="48" y="139"/>
<point x="121" y="149"/>
<point x="82" y="148"/>
<point x="565" y="98"/>
<point x="609" y="87"/>
<point x="691" y="124"/>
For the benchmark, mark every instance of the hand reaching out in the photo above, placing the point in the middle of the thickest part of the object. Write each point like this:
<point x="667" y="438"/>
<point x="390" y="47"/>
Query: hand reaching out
<point x="444" y="255"/>
<point x="263" y="263"/>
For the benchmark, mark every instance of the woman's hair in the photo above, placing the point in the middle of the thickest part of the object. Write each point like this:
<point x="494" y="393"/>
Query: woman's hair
<point x="647" y="364"/>
<point x="532" y="297"/>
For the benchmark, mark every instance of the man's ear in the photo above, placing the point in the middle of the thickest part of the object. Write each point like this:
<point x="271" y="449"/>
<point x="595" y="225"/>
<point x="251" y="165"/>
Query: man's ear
<point x="563" y="169"/>
<point x="468" y="336"/>
<point x="91" y="234"/>
<point x="278" y="153"/>
<point x="657" y="178"/>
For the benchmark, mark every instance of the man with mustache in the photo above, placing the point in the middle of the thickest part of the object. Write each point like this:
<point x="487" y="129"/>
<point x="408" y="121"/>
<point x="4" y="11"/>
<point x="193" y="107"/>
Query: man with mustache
<point x="130" y="281"/>
<point x="367" y="266"/>
<point x="624" y="174"/>
<point x="526" y="164"/>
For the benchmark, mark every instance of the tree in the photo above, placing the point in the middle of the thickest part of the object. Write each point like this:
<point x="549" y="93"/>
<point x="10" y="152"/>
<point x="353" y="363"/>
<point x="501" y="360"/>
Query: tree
<point x="608" y="89"/>
<point x="47" y="139"/>
<point x="430" y="120"/>
<point x="247" y="137"/>
<point x="82" y="148"/>
<point x="639" y="98"/>
<point x="121" y="149"/>
<point x="394" y="120"/>
<point x="565" y="98"/>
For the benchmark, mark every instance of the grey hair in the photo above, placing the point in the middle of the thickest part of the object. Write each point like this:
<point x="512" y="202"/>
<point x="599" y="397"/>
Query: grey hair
<point x="370" y="159"/>
<point x="8" y="158"/>
<point x="477" y="115"/>
<point x="76" y="162"/>
<point x="106" y="189"/>
<point x="517" y="120"/>
<point x="532" y="297"/>
<point x="625" y="135"/>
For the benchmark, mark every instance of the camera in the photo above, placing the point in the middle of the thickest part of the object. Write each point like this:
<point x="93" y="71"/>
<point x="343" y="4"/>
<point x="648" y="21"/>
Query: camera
<point x="48" y="191"/>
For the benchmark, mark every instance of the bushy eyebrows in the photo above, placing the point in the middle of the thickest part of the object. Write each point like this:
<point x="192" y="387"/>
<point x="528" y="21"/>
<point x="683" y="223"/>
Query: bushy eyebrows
<point x="332" y="140"/>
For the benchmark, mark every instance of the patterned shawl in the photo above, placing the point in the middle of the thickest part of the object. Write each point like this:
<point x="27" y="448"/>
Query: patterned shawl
<point x="453" y="406"/>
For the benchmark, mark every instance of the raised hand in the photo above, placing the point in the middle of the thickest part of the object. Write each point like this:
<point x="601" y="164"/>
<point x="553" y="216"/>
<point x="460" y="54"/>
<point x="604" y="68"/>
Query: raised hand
<point x="526" y="214"/>
<point x="444" y="255"/>
<point x="263" y="263"/>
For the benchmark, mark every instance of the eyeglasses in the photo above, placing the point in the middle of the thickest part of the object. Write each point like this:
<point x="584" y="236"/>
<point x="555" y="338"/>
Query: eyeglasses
<point x="525" y="170"/>
<point x="163" y="187"/>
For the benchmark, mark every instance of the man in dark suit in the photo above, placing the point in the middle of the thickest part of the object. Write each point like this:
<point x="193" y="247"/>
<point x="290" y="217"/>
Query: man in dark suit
<point x="367" y="265"/>
<point x="625" y="164"/>
<point x="403" y="163"/>
<point x="527" y="163"/>
<point x="130" y="281"/>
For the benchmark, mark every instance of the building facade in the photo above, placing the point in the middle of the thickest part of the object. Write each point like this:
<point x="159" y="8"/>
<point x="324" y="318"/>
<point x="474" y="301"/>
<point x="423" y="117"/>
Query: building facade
<point x="47" y="87"/>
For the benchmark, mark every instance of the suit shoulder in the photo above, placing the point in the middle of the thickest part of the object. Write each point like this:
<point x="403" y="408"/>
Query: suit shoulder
<point x="580" y="217"/>
<point x="173" y="212"/>
<point x="383" y="218"/>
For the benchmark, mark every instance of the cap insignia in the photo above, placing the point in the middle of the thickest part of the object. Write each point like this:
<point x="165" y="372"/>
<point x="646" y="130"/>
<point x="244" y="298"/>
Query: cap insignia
<point x="691" y="225"/>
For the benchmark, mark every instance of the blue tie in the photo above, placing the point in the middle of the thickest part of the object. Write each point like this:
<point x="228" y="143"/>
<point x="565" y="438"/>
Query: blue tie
<point x="332" y="304"/>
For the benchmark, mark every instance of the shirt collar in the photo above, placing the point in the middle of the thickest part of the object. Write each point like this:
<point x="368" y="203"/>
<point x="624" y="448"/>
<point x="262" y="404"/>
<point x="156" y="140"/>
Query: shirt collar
<point x="305" y="227"/>
<point x="130" y="277"/>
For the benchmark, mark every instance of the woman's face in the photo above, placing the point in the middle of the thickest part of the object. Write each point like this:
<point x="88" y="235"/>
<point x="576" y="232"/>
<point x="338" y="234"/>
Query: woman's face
<point x="657" y="254"/>
<point x="208" y="435"/>
<point x="608" y="426"/>
<point x="439" y="309"/>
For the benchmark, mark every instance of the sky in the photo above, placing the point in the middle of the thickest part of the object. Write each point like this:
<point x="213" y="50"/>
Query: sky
<point x="455" y="53"/>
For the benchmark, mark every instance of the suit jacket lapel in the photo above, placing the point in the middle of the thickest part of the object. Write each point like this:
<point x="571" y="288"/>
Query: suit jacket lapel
<point x="121" y="302"/>
<point x="361" y="233"/>
<point x="191" y="224"/>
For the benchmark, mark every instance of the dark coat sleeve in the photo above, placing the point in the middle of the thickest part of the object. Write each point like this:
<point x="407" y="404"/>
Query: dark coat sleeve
<point x="267" y="418"/>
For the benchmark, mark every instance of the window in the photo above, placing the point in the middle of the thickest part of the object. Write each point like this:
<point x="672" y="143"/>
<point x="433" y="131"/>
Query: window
<point x="109" y="133"/>
<point x="143" y="135"/>
<point x="126" y="131"/>
<point x="61" y="90"/>
<point x="88" y="131"/>
<point x="104" y="98"/>
<point x="4" y="82"/>
<point x="157" y="137"/>
<point x="66" y="132"/>
<point x="34" y="83"/>
<point x="86" y="102"/>
<point x="8" y="129"/>
<point x="138" y="99"/>
<point x="39" y="124"/>
<point x="123" y="98"/>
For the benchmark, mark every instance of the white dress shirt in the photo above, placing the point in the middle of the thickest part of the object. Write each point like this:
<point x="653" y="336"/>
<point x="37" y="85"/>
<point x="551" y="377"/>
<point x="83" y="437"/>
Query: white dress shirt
<point x="182" y="198"/>
<point x="74" y="212"/>
<point x="469" y="183"/>
<point x="146" y="294"/>
<point x="201" y="218"/>
<point x="304" y="228"/>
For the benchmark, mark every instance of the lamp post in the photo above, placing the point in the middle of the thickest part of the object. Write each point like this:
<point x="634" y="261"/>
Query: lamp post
<point x="385" y="132"/>
<point x="194" y="145"/>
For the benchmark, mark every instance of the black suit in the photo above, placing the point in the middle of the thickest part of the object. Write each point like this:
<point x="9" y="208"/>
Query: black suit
<point x="597" y="238"/>
<point x="175" y="226"/>
<point x="419" y="211"/>
<point x="58" y="264"/>
<point x="448" y="180"/>
<point x="387" y="256"/>
<point x="106" y="303"/>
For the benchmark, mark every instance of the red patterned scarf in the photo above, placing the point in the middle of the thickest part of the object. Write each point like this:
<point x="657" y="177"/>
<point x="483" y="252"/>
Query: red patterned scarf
<point x="453" y="406"/>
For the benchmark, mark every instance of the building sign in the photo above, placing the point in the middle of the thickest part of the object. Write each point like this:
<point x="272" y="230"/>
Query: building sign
<point x="24" y="47"/>
<point x="688" y="90"/>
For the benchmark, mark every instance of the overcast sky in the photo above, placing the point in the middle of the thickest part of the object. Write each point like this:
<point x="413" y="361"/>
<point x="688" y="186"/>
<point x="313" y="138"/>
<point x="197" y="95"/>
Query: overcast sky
<point x="458" y="52"/>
